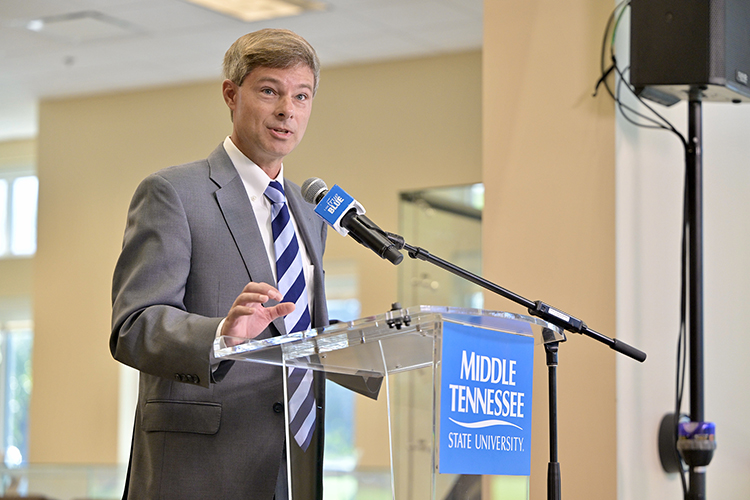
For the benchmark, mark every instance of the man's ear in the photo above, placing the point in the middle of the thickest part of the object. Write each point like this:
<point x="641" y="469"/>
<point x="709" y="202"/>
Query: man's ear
<point x="230" y="90"/>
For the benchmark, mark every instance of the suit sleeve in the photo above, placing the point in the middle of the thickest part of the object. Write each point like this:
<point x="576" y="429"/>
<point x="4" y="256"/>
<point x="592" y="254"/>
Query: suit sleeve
<point x="151" y="329"/>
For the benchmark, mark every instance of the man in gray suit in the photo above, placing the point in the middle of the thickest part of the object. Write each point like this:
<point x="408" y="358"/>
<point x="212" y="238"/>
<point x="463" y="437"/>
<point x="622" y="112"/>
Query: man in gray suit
<point x="197" y="262"/>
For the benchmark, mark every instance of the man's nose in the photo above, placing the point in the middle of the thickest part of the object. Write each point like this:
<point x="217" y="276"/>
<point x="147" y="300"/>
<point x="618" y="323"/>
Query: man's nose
<point x="285" y="108"/>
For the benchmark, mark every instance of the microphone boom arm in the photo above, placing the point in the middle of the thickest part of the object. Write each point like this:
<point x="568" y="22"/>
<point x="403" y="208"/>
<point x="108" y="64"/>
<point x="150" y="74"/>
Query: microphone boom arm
<point x="535" y="308"/>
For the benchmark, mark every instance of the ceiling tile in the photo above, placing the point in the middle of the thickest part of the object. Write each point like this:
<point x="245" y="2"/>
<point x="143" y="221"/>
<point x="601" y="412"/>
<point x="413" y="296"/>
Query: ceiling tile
<point x="179" y="42"/>
<point x="415" y="15"/>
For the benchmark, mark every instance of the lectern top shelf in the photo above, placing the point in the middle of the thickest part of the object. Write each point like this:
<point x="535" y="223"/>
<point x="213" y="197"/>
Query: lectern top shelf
<point x="395" y="341"/>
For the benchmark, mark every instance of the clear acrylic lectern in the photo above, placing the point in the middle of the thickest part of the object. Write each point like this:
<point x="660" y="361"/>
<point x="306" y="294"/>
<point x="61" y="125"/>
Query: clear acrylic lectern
<point x="404" y="348"/>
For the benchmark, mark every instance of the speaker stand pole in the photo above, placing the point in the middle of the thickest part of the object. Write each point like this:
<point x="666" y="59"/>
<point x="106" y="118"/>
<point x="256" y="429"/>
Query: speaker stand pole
<point x="694" y="179"/>
<point x="692" y="443"/>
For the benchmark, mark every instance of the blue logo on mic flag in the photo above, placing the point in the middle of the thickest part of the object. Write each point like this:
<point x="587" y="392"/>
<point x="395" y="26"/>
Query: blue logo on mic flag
<point x="334" y="205"/>
<point x="485" y="401"/>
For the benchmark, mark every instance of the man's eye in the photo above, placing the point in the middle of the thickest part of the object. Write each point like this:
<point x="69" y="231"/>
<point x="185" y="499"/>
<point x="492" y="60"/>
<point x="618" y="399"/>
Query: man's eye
<point x="302" y="97"/>
<point x="267" y="91"/>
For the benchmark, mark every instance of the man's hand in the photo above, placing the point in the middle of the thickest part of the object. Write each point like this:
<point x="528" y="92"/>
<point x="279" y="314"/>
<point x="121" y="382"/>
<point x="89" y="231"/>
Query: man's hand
<point x="248" y="318"/>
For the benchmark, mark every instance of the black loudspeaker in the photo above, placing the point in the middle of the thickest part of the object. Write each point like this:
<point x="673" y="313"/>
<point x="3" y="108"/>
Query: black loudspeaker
<point x="683" y="49"/>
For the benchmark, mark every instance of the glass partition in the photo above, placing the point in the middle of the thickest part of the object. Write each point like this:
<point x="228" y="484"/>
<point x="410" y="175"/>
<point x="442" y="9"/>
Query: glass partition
<point x="447" y="222"/>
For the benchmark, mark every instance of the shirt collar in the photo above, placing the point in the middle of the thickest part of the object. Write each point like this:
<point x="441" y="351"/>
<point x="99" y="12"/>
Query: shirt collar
<point x="255" y="179"/>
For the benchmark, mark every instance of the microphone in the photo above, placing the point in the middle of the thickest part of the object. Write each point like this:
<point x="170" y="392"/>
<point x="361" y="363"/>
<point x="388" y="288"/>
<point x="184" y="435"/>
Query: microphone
<point x="345" y="214"/>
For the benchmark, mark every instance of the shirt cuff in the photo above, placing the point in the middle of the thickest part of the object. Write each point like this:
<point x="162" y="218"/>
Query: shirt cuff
<point x="218" y="328"/>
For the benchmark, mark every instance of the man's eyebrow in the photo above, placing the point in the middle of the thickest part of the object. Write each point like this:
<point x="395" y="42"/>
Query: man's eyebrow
<point x="272" y="79"/>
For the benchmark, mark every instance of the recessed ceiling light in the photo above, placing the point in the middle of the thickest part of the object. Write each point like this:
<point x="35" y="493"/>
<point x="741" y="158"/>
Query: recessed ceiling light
<point x="35" y="25"/>
<point x="82" y="26"/>
<point x="259" y="10"/>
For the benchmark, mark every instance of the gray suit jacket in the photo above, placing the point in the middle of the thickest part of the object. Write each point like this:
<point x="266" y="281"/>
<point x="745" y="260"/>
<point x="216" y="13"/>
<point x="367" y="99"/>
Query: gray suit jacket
<point x="202" y="429"/>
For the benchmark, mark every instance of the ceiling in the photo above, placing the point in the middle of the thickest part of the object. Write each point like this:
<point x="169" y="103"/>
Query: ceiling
<point x="97" y="46"/>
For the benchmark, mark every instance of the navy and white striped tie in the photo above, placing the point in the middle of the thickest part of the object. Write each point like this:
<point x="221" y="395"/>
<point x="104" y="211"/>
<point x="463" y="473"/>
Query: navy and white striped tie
<point x="291" y="283"/>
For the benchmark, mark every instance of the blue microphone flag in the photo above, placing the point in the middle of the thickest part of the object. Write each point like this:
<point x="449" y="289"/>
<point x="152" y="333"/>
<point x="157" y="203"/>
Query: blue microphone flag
<point x="334" y="205"/>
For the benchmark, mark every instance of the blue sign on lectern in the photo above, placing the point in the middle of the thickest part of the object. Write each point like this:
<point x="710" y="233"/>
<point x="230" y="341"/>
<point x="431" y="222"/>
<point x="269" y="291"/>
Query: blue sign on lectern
<point x="485" y="401"/>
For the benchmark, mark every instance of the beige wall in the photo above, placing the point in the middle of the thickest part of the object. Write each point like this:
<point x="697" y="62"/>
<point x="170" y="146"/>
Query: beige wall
<point x="16" y="275"/>
<point x="376" y="130"/>
<point x="14" y="153"/>
<point x="548" y="226"/>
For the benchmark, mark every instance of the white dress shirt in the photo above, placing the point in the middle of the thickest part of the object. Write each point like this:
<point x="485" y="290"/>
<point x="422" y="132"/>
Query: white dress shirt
<point x="256" y="181"/>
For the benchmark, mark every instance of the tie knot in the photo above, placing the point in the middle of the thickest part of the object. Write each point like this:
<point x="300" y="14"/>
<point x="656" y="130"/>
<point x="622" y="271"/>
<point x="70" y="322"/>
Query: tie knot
<point x="275" y="192"/>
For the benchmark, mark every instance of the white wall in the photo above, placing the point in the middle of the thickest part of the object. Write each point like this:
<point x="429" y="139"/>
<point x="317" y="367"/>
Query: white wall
<point x="650" y="179"/>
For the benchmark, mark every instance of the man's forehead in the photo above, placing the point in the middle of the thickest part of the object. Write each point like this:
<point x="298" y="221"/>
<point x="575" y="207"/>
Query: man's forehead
<point x="299" y="75"/>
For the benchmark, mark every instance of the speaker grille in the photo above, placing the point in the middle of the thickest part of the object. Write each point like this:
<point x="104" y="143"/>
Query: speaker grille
<point x="680" y="49"/>
<point x="716" y="42"/>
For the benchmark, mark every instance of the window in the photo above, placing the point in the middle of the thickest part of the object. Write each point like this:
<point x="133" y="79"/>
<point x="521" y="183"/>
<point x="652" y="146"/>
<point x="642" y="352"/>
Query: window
<point x="18" y="210"/>
<point x="15" y="385"/>
<point x="19" y="190"/>
<point x="342" y="290"/>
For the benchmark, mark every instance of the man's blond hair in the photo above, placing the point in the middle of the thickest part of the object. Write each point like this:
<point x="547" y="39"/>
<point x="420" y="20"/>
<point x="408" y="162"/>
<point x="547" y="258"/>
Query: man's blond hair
<point x="269" y="48"/>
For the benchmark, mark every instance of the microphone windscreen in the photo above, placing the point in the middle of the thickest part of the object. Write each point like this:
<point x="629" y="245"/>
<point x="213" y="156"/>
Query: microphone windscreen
<point x="313" y="190"/>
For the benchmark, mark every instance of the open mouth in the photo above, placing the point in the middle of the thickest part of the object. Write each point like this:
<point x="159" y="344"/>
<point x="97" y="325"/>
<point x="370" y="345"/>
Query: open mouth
<point x="281" y="131"/>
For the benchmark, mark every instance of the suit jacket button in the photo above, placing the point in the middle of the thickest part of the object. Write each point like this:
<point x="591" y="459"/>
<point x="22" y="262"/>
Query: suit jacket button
<point x="278" y="407"/>
<point x="178" y="377"/>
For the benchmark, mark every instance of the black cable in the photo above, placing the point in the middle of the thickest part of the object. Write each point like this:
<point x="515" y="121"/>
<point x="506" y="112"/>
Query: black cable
<point x="656" y="123"/>
<point x="606" y="72"/>
<point x="667" y="125"/>
<point x="613" y="66"/>
<point x="622" y="107"/>
<point x="682" y="335"/>
<point x="612" y="24"/>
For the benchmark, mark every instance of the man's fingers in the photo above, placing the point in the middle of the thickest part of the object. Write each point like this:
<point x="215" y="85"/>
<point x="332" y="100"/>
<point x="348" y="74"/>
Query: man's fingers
<point x="240" y="310"/>
<point x="263" y="289"/>
<point x="253" y="307"/>
<point x="248" y="317"/>
<point x="250" y="298"/>
<point x="281" y="309"/>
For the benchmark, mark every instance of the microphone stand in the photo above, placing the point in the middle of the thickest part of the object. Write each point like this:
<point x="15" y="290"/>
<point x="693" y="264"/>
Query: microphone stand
<point x="547" y="313"/>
